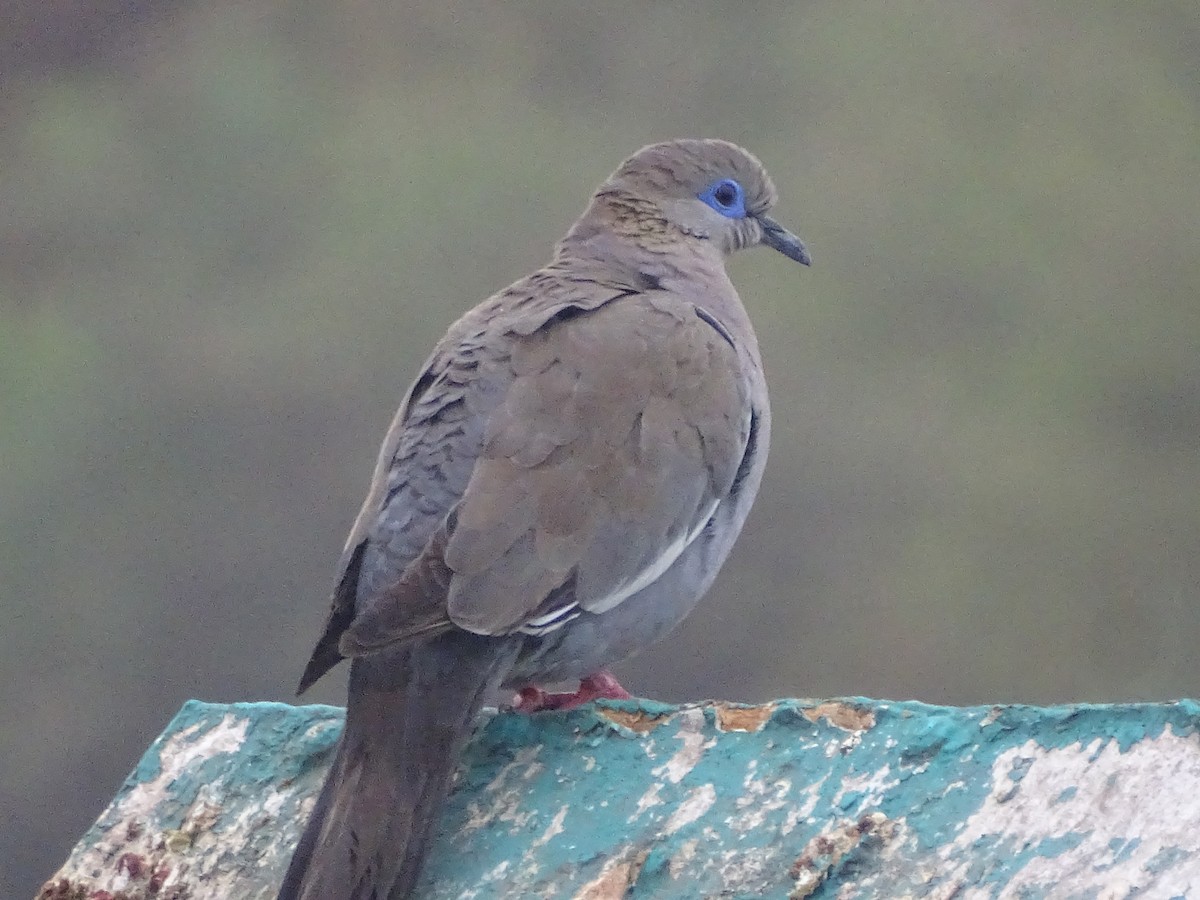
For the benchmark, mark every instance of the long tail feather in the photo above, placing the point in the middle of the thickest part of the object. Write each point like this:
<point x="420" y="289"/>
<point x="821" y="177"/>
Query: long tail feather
<point x="408" y="716"/>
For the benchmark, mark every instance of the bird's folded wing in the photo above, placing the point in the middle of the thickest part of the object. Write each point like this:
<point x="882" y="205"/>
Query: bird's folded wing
<point x="621" y="430"/>
<point x="393" y="556"/>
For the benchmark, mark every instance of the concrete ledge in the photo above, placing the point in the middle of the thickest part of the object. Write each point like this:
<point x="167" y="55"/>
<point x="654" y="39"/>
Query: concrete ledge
<point x="792" y="799"/>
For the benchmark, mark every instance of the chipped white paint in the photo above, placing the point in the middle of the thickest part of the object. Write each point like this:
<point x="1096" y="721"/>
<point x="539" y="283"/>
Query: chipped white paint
<point x="691" y="733"/>
<point x="525" y="757"/>
<point x="178" y="754"/>
<point x="1150" y="794"/>
<point x="498" y="872"/>
<point x="248" y="816"/>
<point x="873" y="786"/>
<point x="762" y="814"/>
<point x="802" y="812"/>
<point x="555" y="827"/>
<point x="681" y="859"/>
<point x="506" y="802"/>
<point x="743" y="871"/>
<point x="489" y="878"/>
<point x="843" y="745"/>
<point x="651" y="797"/>
<point x="273" y="802"/>
<point x="759" y="799"/>
<point x="954" y="786"/>
<point x="698" y="802"/>
<point x="192" y="848"/>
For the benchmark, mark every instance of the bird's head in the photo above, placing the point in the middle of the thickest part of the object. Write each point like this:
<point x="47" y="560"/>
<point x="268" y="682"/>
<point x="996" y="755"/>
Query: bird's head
<point x="707" y="191"/>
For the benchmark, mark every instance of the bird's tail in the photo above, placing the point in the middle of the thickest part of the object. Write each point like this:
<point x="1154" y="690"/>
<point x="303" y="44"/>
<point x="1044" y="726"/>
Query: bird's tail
<point x="409" y="713"/>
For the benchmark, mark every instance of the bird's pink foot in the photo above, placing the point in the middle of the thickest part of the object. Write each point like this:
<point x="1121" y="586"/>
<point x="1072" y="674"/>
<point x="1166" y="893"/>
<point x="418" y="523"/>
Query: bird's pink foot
<point x="602" y="685"/>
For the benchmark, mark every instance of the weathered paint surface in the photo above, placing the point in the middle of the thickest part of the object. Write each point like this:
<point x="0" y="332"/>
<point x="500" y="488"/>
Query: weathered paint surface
<point x="794" y="799"/>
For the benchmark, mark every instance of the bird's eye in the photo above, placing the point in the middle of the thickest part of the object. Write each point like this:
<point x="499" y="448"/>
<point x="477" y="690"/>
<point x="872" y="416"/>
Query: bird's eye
<point x="726" y="197"/>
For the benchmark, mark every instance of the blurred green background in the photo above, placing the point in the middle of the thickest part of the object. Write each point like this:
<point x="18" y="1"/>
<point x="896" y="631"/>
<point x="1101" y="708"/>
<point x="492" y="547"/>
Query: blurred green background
<point x="230" y="232"/>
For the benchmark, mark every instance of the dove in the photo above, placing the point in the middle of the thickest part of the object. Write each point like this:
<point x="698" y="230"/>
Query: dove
<point x="560" y="486"/>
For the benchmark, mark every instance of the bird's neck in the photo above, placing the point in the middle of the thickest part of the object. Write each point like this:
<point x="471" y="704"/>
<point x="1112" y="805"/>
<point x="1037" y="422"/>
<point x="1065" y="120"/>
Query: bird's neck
<point x="608" y="246"/>
<point x="629" y="235"/>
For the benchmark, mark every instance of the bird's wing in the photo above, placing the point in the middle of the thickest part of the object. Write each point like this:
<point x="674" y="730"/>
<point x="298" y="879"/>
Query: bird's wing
<point x="621" y="427"/>
<point x="391" y="563"/>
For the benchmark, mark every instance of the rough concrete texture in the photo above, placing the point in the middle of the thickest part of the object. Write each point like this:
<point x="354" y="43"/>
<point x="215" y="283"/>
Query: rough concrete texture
<point x="792" y="799"/>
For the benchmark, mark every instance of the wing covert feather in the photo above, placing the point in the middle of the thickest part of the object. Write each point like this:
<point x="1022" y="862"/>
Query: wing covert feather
<point x="604" y="456"/>
<point x="602" y="440"/>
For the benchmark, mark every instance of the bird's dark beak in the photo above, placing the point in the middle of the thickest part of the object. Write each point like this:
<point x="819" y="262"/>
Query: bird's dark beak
<point x="776" y="236"/>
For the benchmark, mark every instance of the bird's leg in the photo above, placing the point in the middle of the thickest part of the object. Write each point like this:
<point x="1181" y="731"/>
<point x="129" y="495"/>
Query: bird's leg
<point x="602" y="685"/>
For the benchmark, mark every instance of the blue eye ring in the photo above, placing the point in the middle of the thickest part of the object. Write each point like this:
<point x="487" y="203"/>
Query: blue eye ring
<point x="726" y="197"/>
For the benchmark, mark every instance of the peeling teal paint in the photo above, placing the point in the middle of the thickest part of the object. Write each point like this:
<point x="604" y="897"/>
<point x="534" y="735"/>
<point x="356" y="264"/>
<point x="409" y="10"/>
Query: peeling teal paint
<point x="928" y="754"/>
<point x="267" y="726"/>
<point x="1122" y="848"/>
<point x="1056" y="846"/>
<point x="869" y="793"/>
<point x="1065" y="795"/>
<point x="1166" y="859"/>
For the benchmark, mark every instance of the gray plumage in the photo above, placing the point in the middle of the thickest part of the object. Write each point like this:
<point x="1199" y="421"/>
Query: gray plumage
<point x="558" y="489"/>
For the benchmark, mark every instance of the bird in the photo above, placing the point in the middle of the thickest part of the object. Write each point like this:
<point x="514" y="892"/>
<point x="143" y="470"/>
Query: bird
<point x="559" y="487"/>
